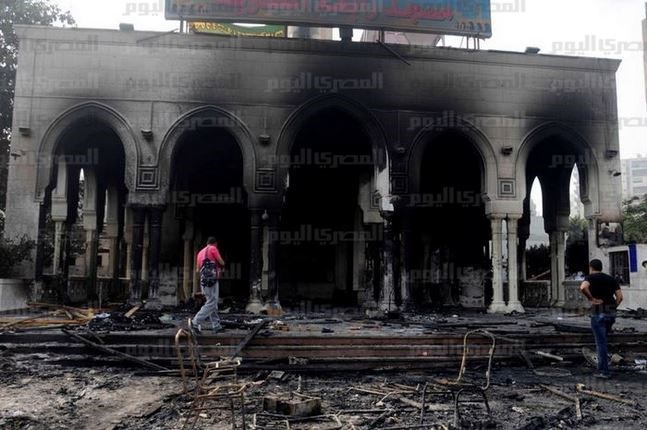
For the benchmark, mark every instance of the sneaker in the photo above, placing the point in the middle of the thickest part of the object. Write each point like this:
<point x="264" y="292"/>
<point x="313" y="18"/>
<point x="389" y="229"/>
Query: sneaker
<point x="600" y="375"/>
<point x="217" y="328"/>
<point x="195" y="329"/>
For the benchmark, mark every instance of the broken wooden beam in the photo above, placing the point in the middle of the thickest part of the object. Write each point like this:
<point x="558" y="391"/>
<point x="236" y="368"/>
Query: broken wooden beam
<point x="377" y="421"/>
<point x="24" y="320"/>
<point x="111" y="351"/>
<point x="574" y="399"/>
<point x="367" y="391"/>
<point x="409" y="402"/>
<point x="421" y="426"/>
<point x="581" y="388"/>
<point x="548" y="355"/>
<point x="249" y="337"/>
<point x="132" y="311"/>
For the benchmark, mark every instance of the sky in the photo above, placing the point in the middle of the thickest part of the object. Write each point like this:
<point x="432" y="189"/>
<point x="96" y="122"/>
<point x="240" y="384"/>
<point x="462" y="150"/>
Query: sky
<point x="595" y="28"/>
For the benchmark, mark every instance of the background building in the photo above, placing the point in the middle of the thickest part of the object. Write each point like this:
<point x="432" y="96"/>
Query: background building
<point x="634" y="177"/>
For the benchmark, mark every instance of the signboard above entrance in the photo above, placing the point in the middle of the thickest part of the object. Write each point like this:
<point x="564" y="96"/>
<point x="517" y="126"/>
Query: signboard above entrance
<point x="457" y="17"/>
<point x="238" y="30"/>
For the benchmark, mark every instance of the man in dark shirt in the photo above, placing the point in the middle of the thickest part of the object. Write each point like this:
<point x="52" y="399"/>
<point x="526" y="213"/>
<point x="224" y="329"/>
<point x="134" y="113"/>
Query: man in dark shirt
<point x="603" y="291"/>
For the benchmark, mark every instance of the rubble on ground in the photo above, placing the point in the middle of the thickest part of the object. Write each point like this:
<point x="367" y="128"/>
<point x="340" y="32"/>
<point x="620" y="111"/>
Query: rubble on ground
<point x="116" y="398"/>
<point x="119" y="321"/>
<point x="106" y="388"/>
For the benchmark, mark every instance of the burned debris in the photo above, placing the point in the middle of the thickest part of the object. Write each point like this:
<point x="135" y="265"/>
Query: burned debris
<point x="438" y="372"/>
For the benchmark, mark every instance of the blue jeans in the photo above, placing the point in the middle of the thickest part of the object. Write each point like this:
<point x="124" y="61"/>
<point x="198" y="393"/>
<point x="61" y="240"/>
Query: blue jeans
<point x="210" y="309"/>
<point x="601" y="325"/>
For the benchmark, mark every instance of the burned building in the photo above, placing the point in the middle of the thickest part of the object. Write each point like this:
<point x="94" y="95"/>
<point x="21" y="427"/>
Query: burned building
<point x="331" y="172"/>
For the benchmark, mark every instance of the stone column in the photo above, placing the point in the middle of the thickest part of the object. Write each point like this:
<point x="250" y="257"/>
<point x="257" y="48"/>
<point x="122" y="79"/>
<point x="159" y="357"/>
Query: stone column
<point x="255" y="304"/>
<point x="155" y="240"/>
<point x="558" y="267"/>
<point x="514" y="305"/>
<point x="387" y="296"/>
<point x="524" y="235"/>
<point x="146" y="250"/>
<point x="39" y="262"/>
<point x="58" y="240"/>
<point x="406" y="279"/>
<point x="197" y="246"/>
<point x="90" y="224"/>
<point x="396" y="234"/>
<point x="561" y="268"/>
<point x="273" y="306"/>
<point x="59" y="214"/>
<point x="524" y="260"/>
<point x="552" y="238"/>
<point x="111" y="231"/>
<point x="498" y="305"/>
<point x="187" y="263"/>
<point x="137" y="243"/>
<point x="59" y="217"/>
<point x="128" y="239"/>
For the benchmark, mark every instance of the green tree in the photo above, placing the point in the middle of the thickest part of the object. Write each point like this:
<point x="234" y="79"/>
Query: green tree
<point x="577" y="229"/>
<point x="538" y="261"/>
<point x="12" y="253"/>
<point x="635" y="224"/>
<point x="577" y="246"/>
<point x="12" y="12"/>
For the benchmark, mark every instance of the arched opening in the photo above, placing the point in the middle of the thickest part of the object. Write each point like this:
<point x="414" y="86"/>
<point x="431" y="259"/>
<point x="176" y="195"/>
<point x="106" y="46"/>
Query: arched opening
<point x="554" y="230"/>
<point x="207" y="198"/>
<point x="451" y="232"/>
<point x="577" y="243"/>
<point x="535" y="263"/>
<point x="83" y="247"/>
<point x="330" y="226"/>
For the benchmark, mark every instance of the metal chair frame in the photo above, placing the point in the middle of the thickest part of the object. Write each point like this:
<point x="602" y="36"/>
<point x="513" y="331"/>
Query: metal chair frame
<point x="459" y="386"/>
<point x="214" y="381"/>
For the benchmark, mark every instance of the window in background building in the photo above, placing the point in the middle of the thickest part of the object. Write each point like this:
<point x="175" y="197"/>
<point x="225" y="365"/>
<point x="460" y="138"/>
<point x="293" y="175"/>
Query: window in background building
<point x="620" y="266"/>
<point x="640" y="191"/>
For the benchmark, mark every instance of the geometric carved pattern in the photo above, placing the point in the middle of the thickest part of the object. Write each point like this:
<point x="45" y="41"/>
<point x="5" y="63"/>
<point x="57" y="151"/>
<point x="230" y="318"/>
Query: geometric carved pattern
<point x="507" y="188"/>
<point x="147" y="178"/>
<point x="376" y="202"/>
<point x="399" y="183"/>
<point x="265" y="180"/>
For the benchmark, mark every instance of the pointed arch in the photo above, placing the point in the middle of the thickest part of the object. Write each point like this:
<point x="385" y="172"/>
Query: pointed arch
<point x="207" y="116"/>
<point x="476" y="137"/>
<point x="586" y="159"/>
<point x="371" y="126"/>
<point x="64" y="123"/>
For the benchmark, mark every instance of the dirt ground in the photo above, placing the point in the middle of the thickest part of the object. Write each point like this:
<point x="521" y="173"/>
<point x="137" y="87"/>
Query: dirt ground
<point x="37" y="394"/>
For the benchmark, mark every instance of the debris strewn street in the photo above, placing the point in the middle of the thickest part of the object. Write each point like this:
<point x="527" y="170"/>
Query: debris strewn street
<point x="102" y="382"/>
<point x="39" y="395"/>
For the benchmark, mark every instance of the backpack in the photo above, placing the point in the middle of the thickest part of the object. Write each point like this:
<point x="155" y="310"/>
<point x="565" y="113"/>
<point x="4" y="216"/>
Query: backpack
<point x="208" y="272"/>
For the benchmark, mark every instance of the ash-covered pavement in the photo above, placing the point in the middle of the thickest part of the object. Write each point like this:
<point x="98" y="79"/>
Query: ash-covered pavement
<point x="38" y="395"/>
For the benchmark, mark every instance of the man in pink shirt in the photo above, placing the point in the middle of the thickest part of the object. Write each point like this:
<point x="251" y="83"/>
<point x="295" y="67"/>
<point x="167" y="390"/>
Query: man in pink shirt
<point x="210" y="265"/>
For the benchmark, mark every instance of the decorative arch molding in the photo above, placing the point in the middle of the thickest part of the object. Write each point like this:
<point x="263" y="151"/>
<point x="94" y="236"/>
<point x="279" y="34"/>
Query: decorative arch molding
<point x="370" y="124"/>
<point x="425" y="138"/>
<point x="212" y="116"/>
<point x="589" y="184"/>
<point x="66" y="121"/>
